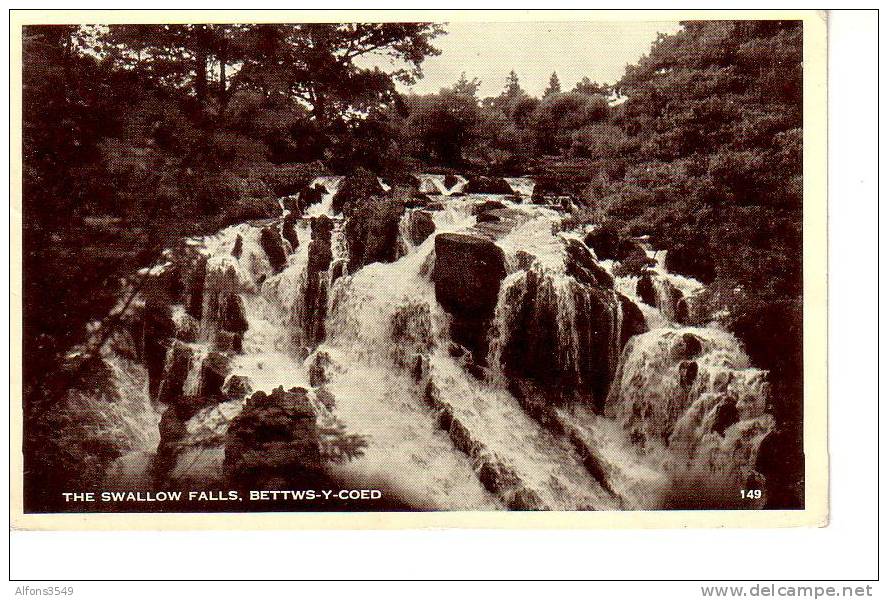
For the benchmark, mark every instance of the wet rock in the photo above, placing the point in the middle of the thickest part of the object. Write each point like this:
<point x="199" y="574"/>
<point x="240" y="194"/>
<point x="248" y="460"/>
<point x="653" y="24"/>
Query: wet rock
<point x="357" y="187"/>
<point x="273" y="246"/>
<point x="422" y="225"/>
<point x="487" y="218"/>
<point x="605" y="242"/>
<point x="496" y="477"/>
<point x="159" y="330"/>
<point x="645" y="289"/>
<point x="372" y="231"/>
<point x="487" y="205"/>
<point x="275" y="435"/>
<point x="411" y="333"/>
<point x="326" y="397"/>
<point x="634" y="260"/>
<point x="525" y="259"/>
<point x="229" y="341"/>
<point x="320" y="256"/>
<point x="317" y="370"/>
<point x="725" y="416"/>
<point x="337" y="271"/>
<point x="175" y="373"/>
<point x="213" y="371"/>
<point x="450" y="180"/>
<point x="584" y="268"/>
<point x="487" y="185"/>
<point x="310" y="195"/>
<point x="467" y="275"/>
<point x="633" y="320"/>
<point x="195" y="288"/>
<point x="289" y="232"/>
<point x="237" y="386"/>
<point x="234" y="317"/>
<point x="687" y="372"/>
<point x="238" y="247"/>
<point x="434" y="206"/>
<point x="686" y="347"/>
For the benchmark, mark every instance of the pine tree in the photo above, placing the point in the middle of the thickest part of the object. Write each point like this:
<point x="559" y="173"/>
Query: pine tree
<point x="554" y="85"/>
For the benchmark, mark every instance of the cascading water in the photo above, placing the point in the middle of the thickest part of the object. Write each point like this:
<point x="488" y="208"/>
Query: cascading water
<point x="511" y="423"/>
<point x="522" y="186"/>
<point x="331" y="184"/>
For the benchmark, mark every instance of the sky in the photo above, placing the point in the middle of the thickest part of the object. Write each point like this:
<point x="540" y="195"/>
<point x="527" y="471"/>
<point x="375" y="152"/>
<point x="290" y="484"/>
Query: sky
<point x="489" y="51"/>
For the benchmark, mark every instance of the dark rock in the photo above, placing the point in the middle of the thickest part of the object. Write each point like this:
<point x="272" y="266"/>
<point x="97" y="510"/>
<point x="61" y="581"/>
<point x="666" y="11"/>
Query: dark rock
<point x="584" y="268"/>
<point x="496" y="477"/>
<point x="357" y="187"/>
<point x="229" y="341"/>
<point x="317" y="371"/>
<point x="337" y="271"/>
<point x="237" y="386"/>
<point x="159" y="330"/>
<point x="234" y="317"/>
<point x="238" y="247"/>
<point x="487" y="185"/>
<point x="483" y="207"/>
<point x="488" y="218"/>
<point x="686" y="347"/>
<point x="634" y="260"/>
<point x="326" y="397"/>
<point x="682" y="310"/>
<point x="275" y="435"/>
<point x="273" y="246"/>
<point x="212" y="375"/>
<point x="450" y="180"/>
<point x="526" y="499"/>
<point x="310" y="195"/>
<point x="645" y="289"/>
<point x="372" y="231"/>
<point x="320" y="256"/>
<point x="467" y="275"/>
<point x="434" y="206"/>
<point x="725" y="416"/>
<point x="687" y="372"/>
<point x="289" y="232"/>
<point x="176" y="372"/>
<point x="605" y="241"/>
<point x="195" y="288"/>
<point x="525" y="260"/>
<point x="633" y="320"/>
<point x="422" y="225"/>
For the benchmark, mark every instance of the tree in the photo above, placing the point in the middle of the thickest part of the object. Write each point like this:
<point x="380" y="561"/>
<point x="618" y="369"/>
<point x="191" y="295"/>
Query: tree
<point x="592" y="88"/>
<point x="465" y="87"/>
<point x="554" y="85"/>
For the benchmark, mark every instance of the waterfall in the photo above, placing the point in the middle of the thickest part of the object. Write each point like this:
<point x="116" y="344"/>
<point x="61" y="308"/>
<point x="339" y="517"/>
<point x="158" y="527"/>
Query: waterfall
<point x="517" y="423"/>
<point x="331" y="184"/>
<point x="433" y="183"/>
<point x="691" y="395"/>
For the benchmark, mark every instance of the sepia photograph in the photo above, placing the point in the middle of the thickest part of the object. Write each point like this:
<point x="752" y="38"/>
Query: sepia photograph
<point x="411" y="265"/>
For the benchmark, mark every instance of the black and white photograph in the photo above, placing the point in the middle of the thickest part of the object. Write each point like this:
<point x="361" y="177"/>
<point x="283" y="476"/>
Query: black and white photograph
<point x="421" y="266"/>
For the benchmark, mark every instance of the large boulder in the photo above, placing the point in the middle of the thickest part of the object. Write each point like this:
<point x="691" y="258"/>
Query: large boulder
<point x="274" y="248"/>
<point x="479" y="184"/>
<point x="275" y="435"/>
<point x="467" y="274"/>
<point x="605" y="241"/>
<point x="372" y="231"/>
<point x="584" y="268"/>
<point x="175" y="373"/>
<point x="645" y="289"/>
<point x="288" y="230"/>
<point x="422" y="225"/>
<point x="213" y="371"/>
<point x="633" y="320"/>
